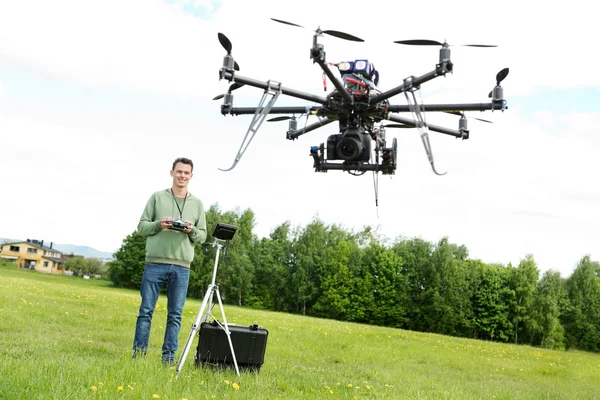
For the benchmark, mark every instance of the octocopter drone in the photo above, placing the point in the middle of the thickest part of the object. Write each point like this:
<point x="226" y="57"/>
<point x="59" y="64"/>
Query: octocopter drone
<point x="360" y="107"/>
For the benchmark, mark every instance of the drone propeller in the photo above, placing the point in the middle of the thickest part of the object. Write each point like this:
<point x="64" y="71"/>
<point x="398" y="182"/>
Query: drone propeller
<point x="500" y="76"/>
<point x="426" y="42"/>
<point x="279" y="119"/>
<point x="232" y="87"/>
<point x="226" y="43"/>
<point x="337" y="34"/>
<point x="398" y="126"/>
<point x="461" y="114"/>
<point x="288" y="23"/>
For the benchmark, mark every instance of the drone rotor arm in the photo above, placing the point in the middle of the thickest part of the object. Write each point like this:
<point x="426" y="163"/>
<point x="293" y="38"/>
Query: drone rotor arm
<point x="265" y="85"/>
<point x="434" y="128"/>
<point x="413" y="82"/>
<point x="273" y="110"/>
<point x="336" y="82"/>
<point x="492" y="105"/>
<point x="291" y="135"/>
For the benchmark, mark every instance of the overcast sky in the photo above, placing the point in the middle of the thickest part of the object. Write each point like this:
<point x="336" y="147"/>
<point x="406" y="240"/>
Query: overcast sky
<point x="97" y="98"/>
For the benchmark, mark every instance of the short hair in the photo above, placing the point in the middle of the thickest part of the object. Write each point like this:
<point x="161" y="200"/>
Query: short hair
<point x="182" y="160"/>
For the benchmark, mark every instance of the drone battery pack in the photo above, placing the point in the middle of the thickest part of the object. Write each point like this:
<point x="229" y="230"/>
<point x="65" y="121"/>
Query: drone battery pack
<point x="249" y="344"/>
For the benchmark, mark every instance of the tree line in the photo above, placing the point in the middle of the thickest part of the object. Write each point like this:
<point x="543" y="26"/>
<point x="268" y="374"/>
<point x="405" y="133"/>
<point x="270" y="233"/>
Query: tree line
<point x="326" y="271"/>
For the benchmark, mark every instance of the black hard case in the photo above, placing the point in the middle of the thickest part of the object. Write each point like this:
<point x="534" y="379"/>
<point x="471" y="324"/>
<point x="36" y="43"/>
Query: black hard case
<point x="249" y="344"/>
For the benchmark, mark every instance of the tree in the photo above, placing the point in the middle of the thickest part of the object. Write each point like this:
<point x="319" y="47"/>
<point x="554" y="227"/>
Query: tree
<point x="77" y="265"/>
<point x="127" y="269"/>
<point x="416" y="258"/>
<point x="522" y="281"/>
<point x="549" y="298"/>
<point x="309" y="253"/>
<point x="583" y="322"/>
<point x="385" y="287"/>
<point x="272" y="259"/>
<point x="491" y="297"/>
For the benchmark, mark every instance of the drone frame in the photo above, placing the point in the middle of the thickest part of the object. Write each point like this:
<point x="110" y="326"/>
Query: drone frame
<point x="377" y="108"/>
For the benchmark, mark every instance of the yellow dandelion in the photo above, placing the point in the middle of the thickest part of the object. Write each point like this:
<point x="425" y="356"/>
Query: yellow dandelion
<point x="94" y="388"/>
<point x="227" y="382"/>
<point x="183" y="398"/>
<point x="236" y="386"/>
<point x="120" y="388"/>
<point x="202" y="382"/>
<point x="349" y="385"/>
<point x="330" y="391"/>
<point x="130" y="387"/>
<point x="89" y="341"/>
<point x="100" y="383"/>
<point x="155" y="396"/>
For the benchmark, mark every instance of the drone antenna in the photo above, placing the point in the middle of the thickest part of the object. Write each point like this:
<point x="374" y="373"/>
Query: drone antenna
<point x="376" y="186"/>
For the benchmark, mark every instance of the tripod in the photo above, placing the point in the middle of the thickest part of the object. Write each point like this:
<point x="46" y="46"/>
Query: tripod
<point x="202" y="316"/>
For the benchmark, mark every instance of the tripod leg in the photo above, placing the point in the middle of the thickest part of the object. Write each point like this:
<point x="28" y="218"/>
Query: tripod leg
<point x="195" y="327"/>
<point x="227" y="332"/>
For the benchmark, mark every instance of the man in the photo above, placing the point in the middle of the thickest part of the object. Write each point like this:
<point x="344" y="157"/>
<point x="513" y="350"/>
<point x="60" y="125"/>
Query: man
<point x="169" y="252"/>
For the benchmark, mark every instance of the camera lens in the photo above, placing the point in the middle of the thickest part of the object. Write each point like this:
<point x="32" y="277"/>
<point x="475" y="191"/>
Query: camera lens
<point x="349" y="148"/>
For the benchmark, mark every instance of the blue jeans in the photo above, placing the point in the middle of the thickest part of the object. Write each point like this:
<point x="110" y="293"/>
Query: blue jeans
<point x="155" y="276"/>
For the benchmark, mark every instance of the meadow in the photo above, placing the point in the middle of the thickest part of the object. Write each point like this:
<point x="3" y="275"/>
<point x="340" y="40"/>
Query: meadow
<point x="68" y="338"/>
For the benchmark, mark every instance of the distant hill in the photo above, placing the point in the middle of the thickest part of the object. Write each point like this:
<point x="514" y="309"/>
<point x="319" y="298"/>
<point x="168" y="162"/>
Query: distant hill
<point x="86" y="251"/>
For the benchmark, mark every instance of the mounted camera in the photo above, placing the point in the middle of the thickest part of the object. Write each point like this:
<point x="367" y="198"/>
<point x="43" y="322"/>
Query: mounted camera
<point x="352" y="145"/>
<point x="178" y="225"/>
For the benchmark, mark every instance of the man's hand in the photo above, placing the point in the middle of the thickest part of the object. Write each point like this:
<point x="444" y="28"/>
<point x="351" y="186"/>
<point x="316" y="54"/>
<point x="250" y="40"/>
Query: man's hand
<point x="165" y="222"/>
<point x="189" y="228"/>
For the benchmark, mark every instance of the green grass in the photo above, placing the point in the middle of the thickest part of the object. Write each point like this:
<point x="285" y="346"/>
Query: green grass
<point x="61" y="337"/>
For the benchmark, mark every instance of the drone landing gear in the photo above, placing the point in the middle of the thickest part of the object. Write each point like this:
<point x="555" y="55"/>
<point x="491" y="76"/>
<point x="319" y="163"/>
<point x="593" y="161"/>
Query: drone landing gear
<point x="274" y="90"/>
<point x="419" y="118"/>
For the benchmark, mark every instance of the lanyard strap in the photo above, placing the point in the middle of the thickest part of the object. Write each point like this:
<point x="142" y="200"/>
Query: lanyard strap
<point x="177" y="204"/>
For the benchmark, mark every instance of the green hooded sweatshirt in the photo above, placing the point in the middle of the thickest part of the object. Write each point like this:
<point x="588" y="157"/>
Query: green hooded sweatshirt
<point x="168" y="246"/>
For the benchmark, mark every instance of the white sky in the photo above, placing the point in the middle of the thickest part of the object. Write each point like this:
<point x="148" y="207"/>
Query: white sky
<point x="98" y="98"/>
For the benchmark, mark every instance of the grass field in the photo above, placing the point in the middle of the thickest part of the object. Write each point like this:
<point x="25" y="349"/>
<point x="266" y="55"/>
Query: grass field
<point x="68" y="338"/>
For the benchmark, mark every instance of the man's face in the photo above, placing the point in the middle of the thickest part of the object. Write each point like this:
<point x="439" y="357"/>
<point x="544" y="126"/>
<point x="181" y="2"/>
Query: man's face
<point x="181" y="175"/>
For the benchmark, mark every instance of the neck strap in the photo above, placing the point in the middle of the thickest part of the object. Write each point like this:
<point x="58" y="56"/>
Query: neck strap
<point x="177" y="204"/>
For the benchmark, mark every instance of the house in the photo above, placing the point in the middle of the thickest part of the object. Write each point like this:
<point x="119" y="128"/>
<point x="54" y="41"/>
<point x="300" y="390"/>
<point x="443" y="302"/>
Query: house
<point x="32" y="254"/>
